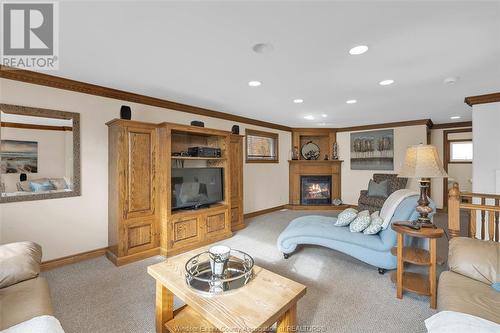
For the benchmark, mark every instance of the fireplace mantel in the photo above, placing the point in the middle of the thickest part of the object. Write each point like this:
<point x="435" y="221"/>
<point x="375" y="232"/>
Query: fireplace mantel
<point x="299" y="168"/>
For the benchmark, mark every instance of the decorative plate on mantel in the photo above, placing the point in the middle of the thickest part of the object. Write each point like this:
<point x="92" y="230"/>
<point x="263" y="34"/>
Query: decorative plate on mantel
<point x="310" y="151"/>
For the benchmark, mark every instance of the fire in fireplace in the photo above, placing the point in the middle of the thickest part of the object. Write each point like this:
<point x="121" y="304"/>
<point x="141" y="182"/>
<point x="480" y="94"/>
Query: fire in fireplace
<point x="315" y="190"/>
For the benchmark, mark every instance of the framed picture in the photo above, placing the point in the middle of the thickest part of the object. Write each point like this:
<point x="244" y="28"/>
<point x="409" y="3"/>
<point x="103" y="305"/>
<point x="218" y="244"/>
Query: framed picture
<point x="18" y="156"/>
<point x="372" y="150"/>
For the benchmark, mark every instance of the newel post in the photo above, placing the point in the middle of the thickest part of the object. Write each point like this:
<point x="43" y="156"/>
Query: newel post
<point x="454" y="211"/>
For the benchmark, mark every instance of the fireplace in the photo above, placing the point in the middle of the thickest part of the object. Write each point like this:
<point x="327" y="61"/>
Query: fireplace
<point x="315" y="190"/>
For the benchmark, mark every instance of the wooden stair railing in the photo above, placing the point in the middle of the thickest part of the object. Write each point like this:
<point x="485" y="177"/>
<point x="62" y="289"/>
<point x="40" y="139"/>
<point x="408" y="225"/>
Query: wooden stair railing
<point x="488" y="208"/>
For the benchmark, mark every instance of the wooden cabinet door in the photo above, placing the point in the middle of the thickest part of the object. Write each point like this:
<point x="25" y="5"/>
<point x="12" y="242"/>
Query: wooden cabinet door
<point x="141" y="235"/>
<point x="185" y="231"/>
<point x="236" y="158"/>
<point x="140" y="172"/>
<point x="217" y="224"/>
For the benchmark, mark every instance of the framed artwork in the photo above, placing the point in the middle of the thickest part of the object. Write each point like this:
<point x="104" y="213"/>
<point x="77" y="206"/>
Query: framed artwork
<point x="18" y="156"/>
<point x="372" y="150"/>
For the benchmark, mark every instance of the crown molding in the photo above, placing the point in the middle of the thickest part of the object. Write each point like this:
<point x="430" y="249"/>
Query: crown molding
<point x="92" y="89"/>
<point x="452" y="125"/>
<point x="482" y="99"/>
<point x="96" y="90"/>
<point x="426" y="122"/>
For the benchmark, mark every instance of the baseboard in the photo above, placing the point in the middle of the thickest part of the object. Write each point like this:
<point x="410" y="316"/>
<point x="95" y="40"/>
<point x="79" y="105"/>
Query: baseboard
<point x="50" y="264"/>
<point x="120" y="261"/>
<point x="319" y="207"/>
<point x="263" y="211"/>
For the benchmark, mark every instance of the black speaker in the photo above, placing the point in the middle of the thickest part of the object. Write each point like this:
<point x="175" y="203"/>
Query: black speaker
<point x="125" y="112"/>
<point x="23" y="177"/>
<point x="197" y="123"/>
<point x="235" y="129"/>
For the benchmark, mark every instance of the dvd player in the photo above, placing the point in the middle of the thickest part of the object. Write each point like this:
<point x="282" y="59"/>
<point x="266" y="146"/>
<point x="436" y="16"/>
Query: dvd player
<point x="204" y="152"/>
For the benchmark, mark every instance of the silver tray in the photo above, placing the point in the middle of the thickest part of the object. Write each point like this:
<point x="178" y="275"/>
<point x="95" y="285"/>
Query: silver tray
<point x="238" y="272"/>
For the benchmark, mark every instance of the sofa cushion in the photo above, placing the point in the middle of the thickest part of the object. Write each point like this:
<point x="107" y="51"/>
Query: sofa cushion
<point x="476" y="259"/>
<point x="462" y="294"/>
<point x="372" y="201"/>
<point x="24" y="301"/>
<point x="346" y="217"/>
<point x="19" y="261"/>
<point x="314" y="227"/>
<point x="40" y="324"/>
<point x="360" y="222"/>
<point x="456" y="322"/>
<point x="377" y="189"/>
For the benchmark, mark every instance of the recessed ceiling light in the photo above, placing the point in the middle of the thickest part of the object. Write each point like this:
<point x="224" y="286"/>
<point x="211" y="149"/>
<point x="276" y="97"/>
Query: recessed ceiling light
<point x="263" y="48"/>
<point x="309" y="117"/>
<point x="298" y="101"/>
<point x="386" y="82"/>
<point x="351" y="101"/>
<point x="254" y="83"/>
<point x="455" y="117"/>
<point x="324" y="115"/>
<point x="357" y="50"/>
<point x="451" y="80"/>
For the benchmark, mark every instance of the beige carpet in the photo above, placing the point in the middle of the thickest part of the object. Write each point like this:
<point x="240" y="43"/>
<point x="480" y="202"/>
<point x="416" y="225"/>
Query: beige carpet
<point x="343" y="294"/>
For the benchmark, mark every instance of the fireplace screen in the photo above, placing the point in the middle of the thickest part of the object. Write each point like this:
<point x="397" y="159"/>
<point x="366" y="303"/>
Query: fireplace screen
<point x="315" y="190"/>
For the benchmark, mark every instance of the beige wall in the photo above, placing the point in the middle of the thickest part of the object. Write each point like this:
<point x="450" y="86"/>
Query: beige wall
<point x="353" y="181"/>
<point x="459" y="171"/>
<point x="73" y="225"/>
<point x="51" y="154"/>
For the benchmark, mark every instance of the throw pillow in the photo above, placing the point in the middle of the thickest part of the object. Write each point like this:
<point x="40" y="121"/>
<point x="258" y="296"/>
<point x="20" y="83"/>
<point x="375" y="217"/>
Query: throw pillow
<point x="19" y="261"/>
<point x="361" y="222"/>
<point x="346" y="217"/>
<point x="377" y="189"/>
<point x="41" y="185"/>
<point x="375" y="225"/>
<point x="24" y="186"/>
<point x="58" y="183"/>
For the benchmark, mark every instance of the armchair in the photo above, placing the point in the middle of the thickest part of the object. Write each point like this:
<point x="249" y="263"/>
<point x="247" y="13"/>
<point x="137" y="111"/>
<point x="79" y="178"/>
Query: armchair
<point x="373" y="203"/>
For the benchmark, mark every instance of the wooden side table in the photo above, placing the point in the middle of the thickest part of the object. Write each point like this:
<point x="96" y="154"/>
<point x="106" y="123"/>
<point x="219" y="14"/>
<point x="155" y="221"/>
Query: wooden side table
<point x="415" y="282"/>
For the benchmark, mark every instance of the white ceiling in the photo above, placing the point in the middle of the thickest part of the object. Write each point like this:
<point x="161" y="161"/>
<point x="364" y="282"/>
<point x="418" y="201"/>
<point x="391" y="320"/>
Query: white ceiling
<point x="200" y="53"/>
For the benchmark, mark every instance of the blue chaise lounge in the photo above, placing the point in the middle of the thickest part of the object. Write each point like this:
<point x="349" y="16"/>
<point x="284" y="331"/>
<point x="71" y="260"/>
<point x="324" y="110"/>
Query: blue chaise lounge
<point x="372" y="249"/>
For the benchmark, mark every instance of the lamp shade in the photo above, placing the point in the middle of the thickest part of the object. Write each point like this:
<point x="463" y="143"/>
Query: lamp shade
<point x="422" y="161"/>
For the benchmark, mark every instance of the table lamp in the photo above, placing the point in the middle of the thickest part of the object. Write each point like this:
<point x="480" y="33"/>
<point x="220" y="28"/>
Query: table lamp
<point x="422" y="162"/>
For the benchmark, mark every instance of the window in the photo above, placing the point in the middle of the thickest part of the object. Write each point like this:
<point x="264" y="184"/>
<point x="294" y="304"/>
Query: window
<point x="261" y="147"/>
<point x="461" y="151"/>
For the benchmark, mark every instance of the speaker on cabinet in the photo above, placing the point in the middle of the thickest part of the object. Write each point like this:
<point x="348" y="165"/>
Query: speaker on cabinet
<point x="235" y="129"/>
<point x="197" y="123"/>
<point x="125" y="112"/>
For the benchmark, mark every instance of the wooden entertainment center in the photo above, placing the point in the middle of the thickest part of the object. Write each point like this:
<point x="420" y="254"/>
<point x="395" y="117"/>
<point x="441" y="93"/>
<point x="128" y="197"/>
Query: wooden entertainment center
<point x="142" y="222"/>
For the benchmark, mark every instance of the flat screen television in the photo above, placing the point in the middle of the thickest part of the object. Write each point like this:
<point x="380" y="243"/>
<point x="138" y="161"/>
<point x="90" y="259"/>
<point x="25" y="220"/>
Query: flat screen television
<point x="196" y="187"/>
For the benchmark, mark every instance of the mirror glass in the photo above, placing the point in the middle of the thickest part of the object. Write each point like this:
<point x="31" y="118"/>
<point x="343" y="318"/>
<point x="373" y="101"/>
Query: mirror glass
<point x="37" y="157"/>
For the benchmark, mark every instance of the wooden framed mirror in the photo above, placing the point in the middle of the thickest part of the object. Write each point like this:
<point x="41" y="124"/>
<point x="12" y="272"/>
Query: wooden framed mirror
<point x="39" y="154"/>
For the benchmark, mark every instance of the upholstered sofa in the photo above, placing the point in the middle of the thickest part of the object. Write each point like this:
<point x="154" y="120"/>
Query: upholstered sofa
<point x="372" y="249"/>
<point x="25" y="304"/>
<point x="474" y="265"/>
<point x="374" y="203"/>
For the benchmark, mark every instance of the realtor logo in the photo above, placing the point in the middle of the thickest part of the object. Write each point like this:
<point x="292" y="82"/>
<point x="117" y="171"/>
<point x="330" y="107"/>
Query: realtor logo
<point x="30" y="35"/>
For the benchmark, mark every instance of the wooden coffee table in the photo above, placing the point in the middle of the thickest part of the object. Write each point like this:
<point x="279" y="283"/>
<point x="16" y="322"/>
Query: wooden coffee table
<point x="269" y="298"/>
